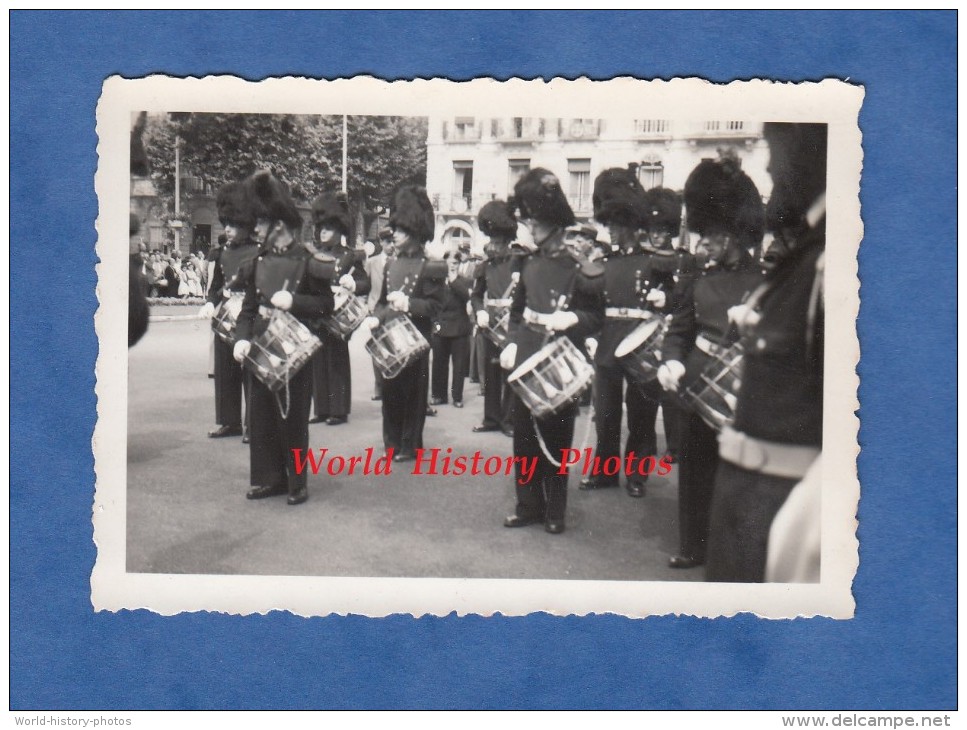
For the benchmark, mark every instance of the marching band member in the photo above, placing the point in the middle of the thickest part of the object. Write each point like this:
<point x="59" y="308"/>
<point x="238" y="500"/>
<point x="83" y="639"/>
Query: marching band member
<point x="232" y="269"/>
<point x="725" y="209"/>
<point x="492" y="295"/>
<point x="331" y="370"/>
<point x="413" y="287"/>
<point x="663" y="225"/>
<point x="286" y="277"/>
<point x="775" y="441"/>
<point x="554" y="297"/>
<point x="633" y="292"/>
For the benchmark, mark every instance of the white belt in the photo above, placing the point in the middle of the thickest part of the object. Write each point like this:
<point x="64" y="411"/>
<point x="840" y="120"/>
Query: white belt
<point x="498" y="302"/>
<point x="704" y="344"/>
<point x="789" y="461"/>
<point x="627" y="313"/>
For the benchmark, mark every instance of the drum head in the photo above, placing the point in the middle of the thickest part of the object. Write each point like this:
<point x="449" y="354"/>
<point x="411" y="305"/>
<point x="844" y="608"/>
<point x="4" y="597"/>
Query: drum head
<point x="641" y="333"/>
<point x="532" y="362"/>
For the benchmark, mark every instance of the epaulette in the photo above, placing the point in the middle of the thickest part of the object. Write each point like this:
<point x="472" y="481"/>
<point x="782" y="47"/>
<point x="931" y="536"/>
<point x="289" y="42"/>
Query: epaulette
<point x="435" y="269"/>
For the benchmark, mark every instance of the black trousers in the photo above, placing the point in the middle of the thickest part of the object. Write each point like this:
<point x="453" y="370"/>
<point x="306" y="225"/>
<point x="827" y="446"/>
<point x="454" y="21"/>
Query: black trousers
<point x="332" y="378"/>
<point x="230" y="383"/>
<point x="743" y="507"/>
<point x="697" y="463"/>
<point x="445" y="351"/>
<point x="642" y="403"/>
<point x="545" y="495"/>
<point x="274" y="437"/>
<point x="498" y="397"/>
<point x="404" y="407"/>
<point x="675" y="419"/>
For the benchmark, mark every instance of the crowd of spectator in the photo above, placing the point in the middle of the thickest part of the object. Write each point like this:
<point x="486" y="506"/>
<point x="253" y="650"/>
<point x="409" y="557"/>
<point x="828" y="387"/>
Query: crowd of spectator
<point x="173" y="275"/>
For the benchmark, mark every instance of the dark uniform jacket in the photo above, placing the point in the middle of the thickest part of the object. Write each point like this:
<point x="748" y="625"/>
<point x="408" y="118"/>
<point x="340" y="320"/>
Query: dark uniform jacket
<point x="626" y="282"/>
<point x="681" y="266"/>
<point x="494" y="281"/>
<point x="233" y="269"/>
<point x="781" y="398"/>
<point x="295" y="270"/>
<point x="423" y="281"/>
<point x="453" y="320"/>
<point x="349" y="262"/>
<point x="703" y="310"/>
<point x="552" y="280"/>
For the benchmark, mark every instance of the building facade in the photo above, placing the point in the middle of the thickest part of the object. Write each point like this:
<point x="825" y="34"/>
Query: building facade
<point x="472" y="160"/>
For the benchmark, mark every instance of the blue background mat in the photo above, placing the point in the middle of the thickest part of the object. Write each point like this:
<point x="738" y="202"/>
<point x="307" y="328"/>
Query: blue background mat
<point x="899" y="652"/>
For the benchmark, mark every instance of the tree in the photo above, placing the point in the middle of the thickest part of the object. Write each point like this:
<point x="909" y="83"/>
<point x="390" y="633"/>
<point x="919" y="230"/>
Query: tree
<point x="304" y="151"/>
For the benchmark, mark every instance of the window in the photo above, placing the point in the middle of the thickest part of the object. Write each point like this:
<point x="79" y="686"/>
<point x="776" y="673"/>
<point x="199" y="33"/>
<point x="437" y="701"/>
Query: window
<point x="462" y="185"/>
<point x="516" y="169"/>
<point x="651" y="174"/>
<point x="651" y="126"/>
<point x="579" y="183"/>
<point x="464" y="128"/>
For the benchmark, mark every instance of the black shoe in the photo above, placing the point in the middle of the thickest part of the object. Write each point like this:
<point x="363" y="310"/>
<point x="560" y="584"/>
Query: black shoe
<point x="635" y="489"/>
<point x="430" y="411"/>
<point x="318" y="419"/>
<point x="475" y="381"/>
<point x="223" y="431"/>
<point x="458" y="404"/>
<point x="555" y="528"/>
<point x="590" y="483"/>
<point x="437" y="401"/>
<point x="263" y="492"/>
<point x="336" y="420"/>
<point x="298" y="497"/>
<point x="485" y="428"/>
<point x="670" y="457"/>
<point x="508" y="432"/>
<point x="518" y="521"/>
<point x="399" y="458"/>
<point x="246" y="438"/>
<point x="211" y="375"/>
<point x="377" y="396"/>
<point x="680" y="561"/>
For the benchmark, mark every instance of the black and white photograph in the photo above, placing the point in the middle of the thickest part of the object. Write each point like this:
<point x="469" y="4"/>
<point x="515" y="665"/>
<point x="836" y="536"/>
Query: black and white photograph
<point x="486" y="347"/>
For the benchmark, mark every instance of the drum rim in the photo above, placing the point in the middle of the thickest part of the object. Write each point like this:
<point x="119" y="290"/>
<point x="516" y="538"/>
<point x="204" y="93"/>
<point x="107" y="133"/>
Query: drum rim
<point x="535" y="358"/>
<point x="636" y="337"/>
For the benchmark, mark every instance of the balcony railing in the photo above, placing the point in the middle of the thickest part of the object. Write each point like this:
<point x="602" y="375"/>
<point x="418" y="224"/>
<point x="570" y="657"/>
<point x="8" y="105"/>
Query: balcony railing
<point x="579" y="128"/>
<point x="460" y="204"/>
<point x="523" y="130"/>
<point x="453" y="132"/>
<point x="726" y="128"/>
<point x="653" y="128"/>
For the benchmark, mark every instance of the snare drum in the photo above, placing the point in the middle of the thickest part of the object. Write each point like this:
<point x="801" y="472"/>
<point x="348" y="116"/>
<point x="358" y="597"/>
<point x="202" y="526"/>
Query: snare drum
<point x="715" y="393"/>
<point x="347" y="316"/>
<point x="499" y="329"/>
<point x="282" y="350"/>
<point x="396" y="344"/>
<point x="552" y="378"/>
<point x="226" y="317"/>
<point x="640" y="352"/>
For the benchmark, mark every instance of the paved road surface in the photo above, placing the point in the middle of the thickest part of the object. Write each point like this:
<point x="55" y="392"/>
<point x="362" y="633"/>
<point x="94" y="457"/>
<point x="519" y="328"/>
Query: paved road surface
<point x="187" y="511"/>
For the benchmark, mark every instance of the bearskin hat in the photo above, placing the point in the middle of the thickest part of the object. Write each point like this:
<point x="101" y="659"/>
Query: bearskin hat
<point x="539" y="196"/>
<point x="270" y="199"/>
<point x="664" y="210"/>
<point x="798" y="167"/>
<point x="413" y="212"/>
<point x="618" y="197"/>
<point x="719" y="197"/>
<point x="233" y="205"/>
<point x="496" y="218"/>
<point x="332" y="209"/>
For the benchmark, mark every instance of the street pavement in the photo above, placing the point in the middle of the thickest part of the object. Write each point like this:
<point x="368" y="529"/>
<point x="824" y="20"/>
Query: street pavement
<point x="187" y="512"/>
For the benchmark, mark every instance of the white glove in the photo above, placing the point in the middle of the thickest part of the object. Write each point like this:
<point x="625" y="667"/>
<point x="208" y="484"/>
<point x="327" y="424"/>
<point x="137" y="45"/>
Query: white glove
<point x="347" y="282"/>
<point x="242" y="348"/>
<point x="370" y="248"/>
<point x="744" y="317"/>
<point x="657" y="297"/>
<point x="591" y="345"/>
<point x="559" y="321"/>
<point x="508" y="356"/>
<point x="371" y="323"/>
<point x="670" y="373"/>
<point x="207" y="310"/>
<point x="400" y="302"/>
<point x="483" y="318"/>
<point x="281" y="300"/>
<point x="226" y="293"/>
